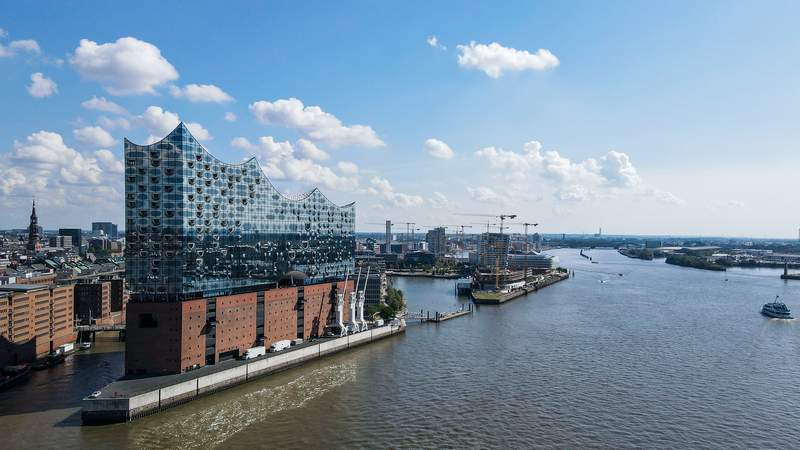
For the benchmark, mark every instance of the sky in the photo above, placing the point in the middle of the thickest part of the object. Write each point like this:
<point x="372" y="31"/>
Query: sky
<point x="638" y="117"/>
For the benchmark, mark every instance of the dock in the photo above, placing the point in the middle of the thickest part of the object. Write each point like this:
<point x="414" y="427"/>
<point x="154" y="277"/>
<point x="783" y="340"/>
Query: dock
<point x="496" y="298"/>
<point x="128" y="399"/>
<point x="438" y="317"/>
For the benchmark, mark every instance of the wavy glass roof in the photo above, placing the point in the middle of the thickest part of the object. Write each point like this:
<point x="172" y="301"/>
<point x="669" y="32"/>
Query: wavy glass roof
<point x="216" y="227"/>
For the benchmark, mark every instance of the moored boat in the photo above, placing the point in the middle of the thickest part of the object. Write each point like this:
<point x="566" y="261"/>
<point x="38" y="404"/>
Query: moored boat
<point x="12" y="375"/>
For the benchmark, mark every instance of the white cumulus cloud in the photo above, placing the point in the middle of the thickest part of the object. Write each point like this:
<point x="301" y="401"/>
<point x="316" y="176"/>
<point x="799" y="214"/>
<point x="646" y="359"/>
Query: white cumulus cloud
<point x="160" y="122"/>
<point x="94" y="137"/>
<point x="230" y="117"/>
<point x="438" y="149"/>
<point x="113" y="123"/>
<point x="384" y="189"/>
<point x="280" y="161"/>
<point x="102" y="104"/>
<point x="494" y="59"/>
<point x="483" y="194"/>
<point x="201" y="93"/>
<point x="311" y="151"/>
<point x="433" y="41"/>
<point x="314" y="123"/>
<point x="197" y="130"/>
<point x="347" y="167"/>
<point x="610" y="174"/>
<point x="128" y="66"/>
<point x="109" y="162"/>
<point x="23" y="45"/>
<point x="68" y="184"/>
<point x="41" y="86"/>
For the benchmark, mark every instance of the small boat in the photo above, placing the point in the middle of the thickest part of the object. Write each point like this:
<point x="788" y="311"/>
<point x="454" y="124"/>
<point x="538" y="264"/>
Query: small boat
<point x="86" y="345"/>
<point x="776" y="309"/>
<point x="51" y="360"/>
<point x="12" y="375"/>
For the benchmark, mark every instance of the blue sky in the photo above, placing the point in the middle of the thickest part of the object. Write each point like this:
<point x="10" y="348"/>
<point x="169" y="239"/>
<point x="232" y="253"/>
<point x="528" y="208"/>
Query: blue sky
<point x="673" y="117"/>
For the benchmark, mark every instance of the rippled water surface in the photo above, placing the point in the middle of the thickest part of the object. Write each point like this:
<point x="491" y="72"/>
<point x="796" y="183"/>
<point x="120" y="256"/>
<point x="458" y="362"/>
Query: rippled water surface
<point x="661" y="357"/>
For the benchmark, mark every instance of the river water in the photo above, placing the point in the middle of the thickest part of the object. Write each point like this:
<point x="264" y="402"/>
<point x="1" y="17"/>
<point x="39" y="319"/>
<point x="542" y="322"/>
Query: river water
<point x="660" y="357"/>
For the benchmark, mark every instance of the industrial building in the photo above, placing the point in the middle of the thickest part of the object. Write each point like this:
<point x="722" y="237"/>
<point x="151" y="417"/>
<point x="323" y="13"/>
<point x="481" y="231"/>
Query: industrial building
<point x="218" y="259"/>
<point x="34" y="320"/>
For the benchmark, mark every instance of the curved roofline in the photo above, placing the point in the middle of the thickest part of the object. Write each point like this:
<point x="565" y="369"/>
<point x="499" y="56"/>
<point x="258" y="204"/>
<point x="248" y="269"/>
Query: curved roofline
<point x="301" y="196"/>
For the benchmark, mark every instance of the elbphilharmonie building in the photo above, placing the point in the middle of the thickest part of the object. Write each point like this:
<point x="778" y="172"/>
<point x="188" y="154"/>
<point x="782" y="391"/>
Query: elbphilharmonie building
<point x="203" y="235"/>
<point x="196" y="226"/>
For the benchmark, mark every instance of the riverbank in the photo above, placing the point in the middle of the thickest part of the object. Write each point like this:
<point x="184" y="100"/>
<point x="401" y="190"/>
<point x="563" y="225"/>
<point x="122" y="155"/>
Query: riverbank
<point x="645" y="254"/>
<point x="495" y="298"/>
<point x="695" y="262"/>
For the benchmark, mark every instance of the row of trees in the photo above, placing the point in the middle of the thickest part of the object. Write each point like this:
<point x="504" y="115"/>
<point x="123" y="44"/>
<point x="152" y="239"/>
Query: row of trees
<point x="395" y="303"/>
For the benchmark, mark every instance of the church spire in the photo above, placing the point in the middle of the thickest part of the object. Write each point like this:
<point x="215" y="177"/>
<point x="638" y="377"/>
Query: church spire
<point x="33" y="230"/>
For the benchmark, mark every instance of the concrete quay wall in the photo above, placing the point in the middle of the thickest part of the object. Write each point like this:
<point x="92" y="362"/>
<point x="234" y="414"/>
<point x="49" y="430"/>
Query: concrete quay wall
<point x="126" y="408"/>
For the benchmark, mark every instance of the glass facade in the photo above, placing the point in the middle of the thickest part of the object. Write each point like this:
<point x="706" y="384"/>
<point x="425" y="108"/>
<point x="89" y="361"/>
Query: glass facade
<point x="196" y="226"/>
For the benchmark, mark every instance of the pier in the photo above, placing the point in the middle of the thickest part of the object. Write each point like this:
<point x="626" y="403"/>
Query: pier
<point x="438" y="317"/>
<point x="495" y="298"/>
<point x="128" y="399"/>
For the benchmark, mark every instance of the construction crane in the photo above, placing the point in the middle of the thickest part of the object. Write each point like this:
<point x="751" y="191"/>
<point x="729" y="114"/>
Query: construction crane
<point x="487" y="224"/>
<point x="527" y="246"/>
<point x="502" y="218"/>
<point x="498" y="250"/>
<point x="459" y="241"/>
<point x="409" y="229"/>
<point x="389" y="236"/>
<point x="526" y="225"/>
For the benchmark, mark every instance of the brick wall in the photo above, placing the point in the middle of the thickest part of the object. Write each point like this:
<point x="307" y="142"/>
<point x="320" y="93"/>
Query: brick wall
<point x="153" y="338"/>
<point x="193" y="339"/>
<point x="236" y="323"/>
<point x="280" y="315"/>
<point x="318" y="310"/>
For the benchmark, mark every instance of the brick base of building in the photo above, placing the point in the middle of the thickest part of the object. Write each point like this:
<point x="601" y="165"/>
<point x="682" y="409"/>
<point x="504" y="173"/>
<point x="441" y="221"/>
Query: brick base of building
<point x="173" y="337"/>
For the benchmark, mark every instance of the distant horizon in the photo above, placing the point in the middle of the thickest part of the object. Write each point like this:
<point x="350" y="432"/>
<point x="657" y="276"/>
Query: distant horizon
<point x="421" y="235"/>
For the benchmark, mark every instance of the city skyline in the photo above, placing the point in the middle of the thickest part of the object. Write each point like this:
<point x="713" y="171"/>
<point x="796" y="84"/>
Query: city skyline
<point x="639" y="120"/>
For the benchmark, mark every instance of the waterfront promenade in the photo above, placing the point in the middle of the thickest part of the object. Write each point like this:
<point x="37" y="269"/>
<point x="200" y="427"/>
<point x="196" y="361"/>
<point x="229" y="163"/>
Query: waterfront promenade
<point x="133" y="398"/>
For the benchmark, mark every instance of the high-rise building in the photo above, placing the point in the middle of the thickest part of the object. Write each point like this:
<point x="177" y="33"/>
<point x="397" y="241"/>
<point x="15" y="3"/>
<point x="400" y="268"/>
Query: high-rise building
<point x="493" y="250"/>
<point x="34" y="231"/>
<point x="437" y="241"/>
<point x="217" y="258"/>
<point x="388" y="237"/>
<point x="109" y="229"/>
<point x="61" y="241"/>
<point x="74" y="234"/>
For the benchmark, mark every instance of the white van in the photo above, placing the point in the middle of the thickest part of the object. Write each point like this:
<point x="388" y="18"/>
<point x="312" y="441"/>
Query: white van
<point x="255" y="352"/>
<point x="280" y="345"/>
